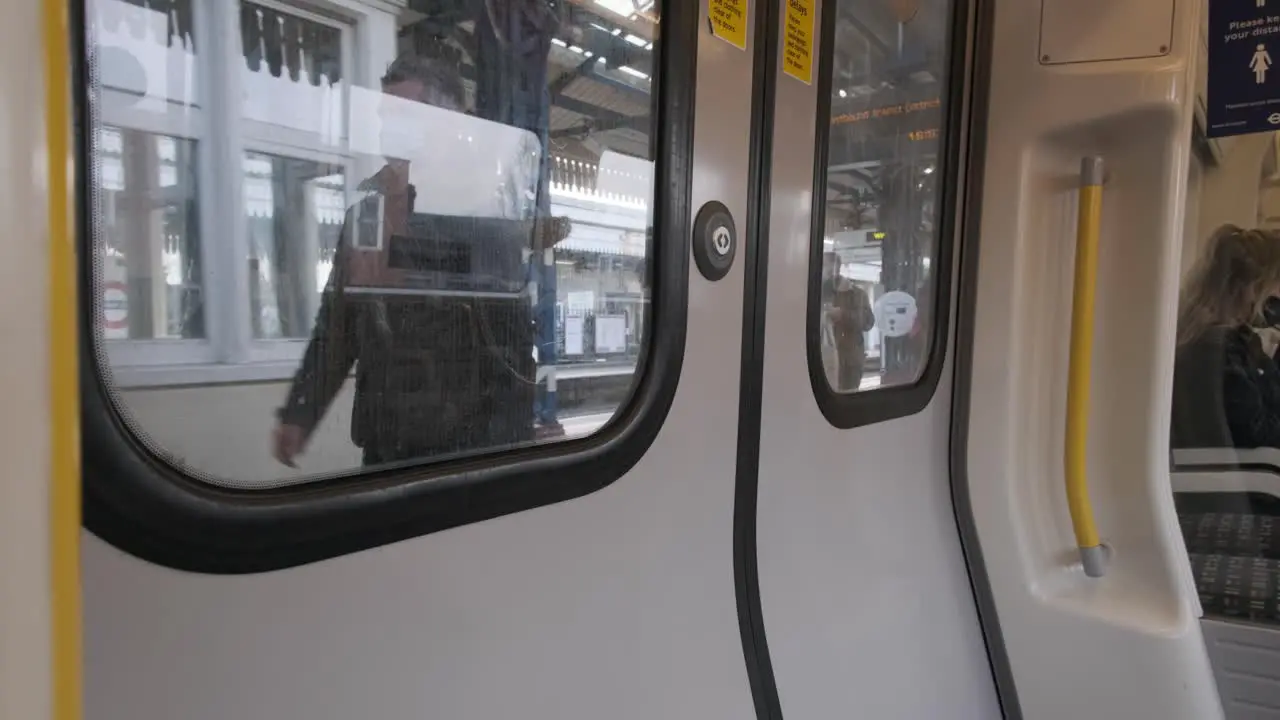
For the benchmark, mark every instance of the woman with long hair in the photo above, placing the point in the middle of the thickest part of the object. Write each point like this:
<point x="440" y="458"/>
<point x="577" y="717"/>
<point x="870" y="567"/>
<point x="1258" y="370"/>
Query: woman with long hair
<point x="1226" y="382"/>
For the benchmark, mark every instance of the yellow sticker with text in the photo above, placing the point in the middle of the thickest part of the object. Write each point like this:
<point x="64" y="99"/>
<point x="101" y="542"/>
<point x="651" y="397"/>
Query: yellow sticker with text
<point x="729" y="21"/>
<point x="797" y="40"/>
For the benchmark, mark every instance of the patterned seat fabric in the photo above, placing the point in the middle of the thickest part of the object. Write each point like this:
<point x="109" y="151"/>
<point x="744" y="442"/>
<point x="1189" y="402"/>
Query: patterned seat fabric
<point x="1239" y="534"/>
<point x="1235" y="560"/>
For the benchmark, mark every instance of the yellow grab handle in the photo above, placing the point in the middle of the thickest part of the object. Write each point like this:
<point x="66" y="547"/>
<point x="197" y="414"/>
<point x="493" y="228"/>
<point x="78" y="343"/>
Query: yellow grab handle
<point x="1092" y="552"/>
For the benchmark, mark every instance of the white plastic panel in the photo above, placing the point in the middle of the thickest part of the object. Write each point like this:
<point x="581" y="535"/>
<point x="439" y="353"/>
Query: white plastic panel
<point x="1127" y="645"/>
<point x="1246" y="661"/>
<point x="1078" y="31"/>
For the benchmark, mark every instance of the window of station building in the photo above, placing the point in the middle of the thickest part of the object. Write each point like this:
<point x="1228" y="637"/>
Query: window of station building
<point x="337" y="235"/>
<point x="294" y="210"/>
<point x="150" y="240"/>
<point x="879" y="274"/>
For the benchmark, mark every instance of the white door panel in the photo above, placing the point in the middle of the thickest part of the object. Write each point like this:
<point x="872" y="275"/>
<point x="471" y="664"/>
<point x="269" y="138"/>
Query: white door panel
<point x="618" y="604"/>
<point x="878" y="534"/>
<point x="864" y="592"/>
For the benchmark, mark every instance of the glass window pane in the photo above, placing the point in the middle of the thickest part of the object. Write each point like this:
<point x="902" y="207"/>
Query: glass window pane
<point x="144" y="89"/>
<point x="492" y="263"/>
<point x="294" y="211"/>
<point x="881" y="236"/>
<point x="438" y="245"/>
<point x="148" y="237"/>
<point x="1225" y="423"/>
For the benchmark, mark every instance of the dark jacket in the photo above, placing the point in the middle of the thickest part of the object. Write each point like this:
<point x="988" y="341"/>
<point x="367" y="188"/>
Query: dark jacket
<point x="855" y="317"/>
<point x="1226" y="392"/>
<point x="433" y="375"/>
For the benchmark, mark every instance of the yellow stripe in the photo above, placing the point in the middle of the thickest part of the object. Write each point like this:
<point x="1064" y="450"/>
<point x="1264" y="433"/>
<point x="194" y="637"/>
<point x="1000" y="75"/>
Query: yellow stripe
<point x="1078" y="377"/>
<point x="64" y="398"/>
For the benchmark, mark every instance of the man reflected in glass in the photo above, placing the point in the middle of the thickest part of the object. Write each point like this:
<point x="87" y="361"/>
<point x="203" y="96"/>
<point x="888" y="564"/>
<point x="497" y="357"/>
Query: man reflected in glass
<point x="847" y="316"/>
<point x="420" y="301"/>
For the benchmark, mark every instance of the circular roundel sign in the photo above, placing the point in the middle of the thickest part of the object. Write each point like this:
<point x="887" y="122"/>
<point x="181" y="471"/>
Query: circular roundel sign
<point x="895" y="313"/>
<point x="115" y="306"/>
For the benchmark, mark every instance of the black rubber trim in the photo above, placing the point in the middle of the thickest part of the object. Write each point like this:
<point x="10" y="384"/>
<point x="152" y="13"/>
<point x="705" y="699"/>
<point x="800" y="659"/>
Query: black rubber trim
<point x="148" y="507"/>
<point x="962" y="391"/>
<point x="746" y="575"/>
<point x="850" y="410"/>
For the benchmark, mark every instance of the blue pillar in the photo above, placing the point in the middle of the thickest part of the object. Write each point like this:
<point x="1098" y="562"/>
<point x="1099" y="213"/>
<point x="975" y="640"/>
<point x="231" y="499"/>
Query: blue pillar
<point x="513" y="47"/>
<point x="545" y="407"/>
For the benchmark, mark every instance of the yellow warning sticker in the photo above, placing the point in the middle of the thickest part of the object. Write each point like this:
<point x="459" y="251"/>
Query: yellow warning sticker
<point x="797" y="41"/>
<point x="729" y="21"/>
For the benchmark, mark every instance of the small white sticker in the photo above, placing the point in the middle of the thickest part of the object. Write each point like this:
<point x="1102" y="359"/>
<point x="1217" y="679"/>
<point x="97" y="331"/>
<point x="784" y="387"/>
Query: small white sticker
<point x="895" y="314"/>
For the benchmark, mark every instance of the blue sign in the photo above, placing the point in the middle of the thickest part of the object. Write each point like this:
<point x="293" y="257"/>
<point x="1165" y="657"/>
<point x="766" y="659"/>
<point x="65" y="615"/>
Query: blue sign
<point x="1244" y="81"/>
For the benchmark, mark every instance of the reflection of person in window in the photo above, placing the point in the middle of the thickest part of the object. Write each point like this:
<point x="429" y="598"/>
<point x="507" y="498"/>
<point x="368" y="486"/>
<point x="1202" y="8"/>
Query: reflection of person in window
<point x="336" y="339"/>
<point x="849" y="316"/>
<point x="427" y="374"/>
<point x="1226" y="381"/>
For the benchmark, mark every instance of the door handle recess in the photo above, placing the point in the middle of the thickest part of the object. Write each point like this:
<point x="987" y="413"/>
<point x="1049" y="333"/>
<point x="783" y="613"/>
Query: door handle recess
<point x="1093" y="554"/>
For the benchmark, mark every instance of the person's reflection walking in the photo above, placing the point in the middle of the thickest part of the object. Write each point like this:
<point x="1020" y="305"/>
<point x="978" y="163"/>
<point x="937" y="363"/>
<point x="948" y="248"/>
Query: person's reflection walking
<point x="396" y="412"/>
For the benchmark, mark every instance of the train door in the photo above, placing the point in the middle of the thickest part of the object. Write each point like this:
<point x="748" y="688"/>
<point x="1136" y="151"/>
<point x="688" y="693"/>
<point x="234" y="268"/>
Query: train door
<point x="333" y="468"/>
<point x="864" y="601"/>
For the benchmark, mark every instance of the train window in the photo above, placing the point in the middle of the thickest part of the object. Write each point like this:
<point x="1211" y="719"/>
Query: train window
<point x="1225" y="399"/>
<point x="1225" y="431"/>
<point x="340" y="235"/>
<point x="881" y="241"/>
